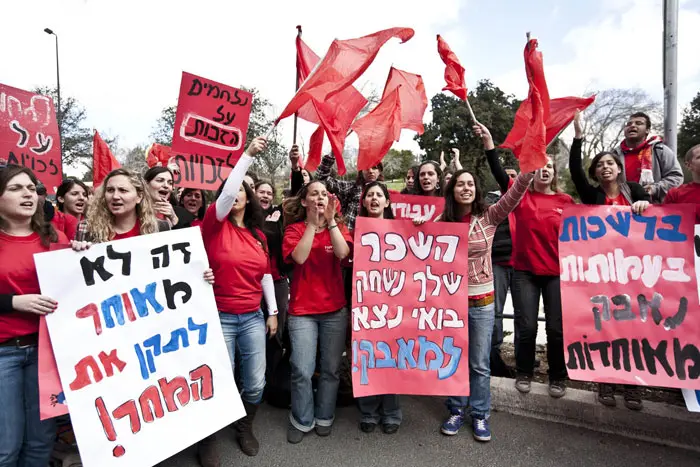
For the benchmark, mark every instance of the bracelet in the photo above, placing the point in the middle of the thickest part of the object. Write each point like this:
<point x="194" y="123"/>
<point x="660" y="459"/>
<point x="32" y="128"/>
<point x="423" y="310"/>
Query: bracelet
<point x="335" y="226"/>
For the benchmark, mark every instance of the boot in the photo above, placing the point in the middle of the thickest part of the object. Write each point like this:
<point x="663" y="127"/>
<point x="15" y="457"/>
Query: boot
<point x="244" y="431"/>
<point x="207" y="452"/>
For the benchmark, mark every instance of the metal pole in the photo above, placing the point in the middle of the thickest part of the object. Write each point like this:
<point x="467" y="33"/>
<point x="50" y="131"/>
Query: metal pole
<point x="670" y="63"/>
<point x="58" y="79"/>
<point x="296" y="87"/>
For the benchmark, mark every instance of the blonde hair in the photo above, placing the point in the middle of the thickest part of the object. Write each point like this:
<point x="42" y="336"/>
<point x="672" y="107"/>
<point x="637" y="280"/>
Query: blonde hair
<point x="101" y="221"/>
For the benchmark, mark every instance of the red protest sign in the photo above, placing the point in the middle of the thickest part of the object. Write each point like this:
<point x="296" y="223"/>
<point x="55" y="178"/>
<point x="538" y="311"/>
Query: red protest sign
<point x="210" y="131"/>
<point x="630" y="296"/>
<point x="29" y="134"/>
<point x="409" y="315"/>
<point x="412" y="206"/>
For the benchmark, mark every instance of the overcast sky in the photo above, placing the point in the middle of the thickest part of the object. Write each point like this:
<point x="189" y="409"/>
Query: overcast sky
<point x="122" y="59"/>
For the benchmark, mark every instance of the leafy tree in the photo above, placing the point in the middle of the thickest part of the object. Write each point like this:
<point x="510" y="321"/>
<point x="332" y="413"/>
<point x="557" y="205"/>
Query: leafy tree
<point x="451" y="128"/>
<point x="163" y="131"/>
<point x="134" y="158"/>
<point x="396" y="163"/>
<point x="689" y="130"/>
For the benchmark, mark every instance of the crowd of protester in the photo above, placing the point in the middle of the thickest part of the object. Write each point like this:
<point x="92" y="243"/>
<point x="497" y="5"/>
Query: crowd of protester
<point x="281" y="272"/>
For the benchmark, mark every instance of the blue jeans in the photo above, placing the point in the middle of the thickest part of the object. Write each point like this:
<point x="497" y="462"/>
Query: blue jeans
<point x="247" y="333"/>
<point x="25" y="441"/>
<point x="309" y="333"/>
<point x="480" y="332"/>
<point x="384" y="409"/>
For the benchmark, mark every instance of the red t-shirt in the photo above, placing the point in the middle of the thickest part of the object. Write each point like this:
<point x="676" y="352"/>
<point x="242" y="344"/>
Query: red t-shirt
<point x="620" y="200"/>
<point x="688" y="193"/>
<point x="239" y="262"/>
<point x="134" y="232"/>
<point x="536" y="243"/>
<point x="65" y="223"/>
<point x="317" y="285"/>
<point x="18" y="277"/>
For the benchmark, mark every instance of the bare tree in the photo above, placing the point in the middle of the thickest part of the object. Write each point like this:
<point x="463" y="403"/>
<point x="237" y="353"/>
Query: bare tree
<point x="134" y="158"/>
<point x="605" y="119"/>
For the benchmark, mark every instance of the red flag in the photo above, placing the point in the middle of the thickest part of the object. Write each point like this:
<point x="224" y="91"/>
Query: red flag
<point x="315" y="149"/>
<point x="157" y="154"/>
<point x="378" y="130"/>
<point x="344" y="62"/>
<point x="561" y="112"/>
<point x="454" y="71"/>
<point x="412" y="97"/>
<point x="103" y="161"/>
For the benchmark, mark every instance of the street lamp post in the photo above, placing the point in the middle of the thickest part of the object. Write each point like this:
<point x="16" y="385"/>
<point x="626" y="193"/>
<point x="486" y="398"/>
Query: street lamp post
<point x="58" y="75"/>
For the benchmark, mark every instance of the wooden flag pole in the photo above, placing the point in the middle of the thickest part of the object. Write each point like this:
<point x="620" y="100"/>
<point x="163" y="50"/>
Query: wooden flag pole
<point x="471" y="112"/>
<point x="296" y="88"/>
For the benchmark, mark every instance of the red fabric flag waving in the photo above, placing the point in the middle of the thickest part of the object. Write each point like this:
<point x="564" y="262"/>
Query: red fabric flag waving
<point x="344" y="106"/>
<point x="378" y="130"/>
<point x="454" y="71"/>
<point x="561" y="112"/>
<point x="344" y="62"/>
<point x="412" y="97"/>
<point x="103" y="161"/>
<point x="157" y="154"/>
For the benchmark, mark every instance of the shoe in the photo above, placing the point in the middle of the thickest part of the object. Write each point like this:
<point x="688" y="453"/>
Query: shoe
<point x="557" y="388"/>
<point x="207" y="452"/>
<point x="323" y="430"/>
<point x="244" y="431"/>
<point x="390" y="428"/>
<point x="633" y="398"/>
<point x="481" y="429"/>
<point x="523" y="383"/>
<point x="606" y="395"/>
<point x="453" y="423"/>
<point x="367" y="427"/>
<point x="294" y="436"/>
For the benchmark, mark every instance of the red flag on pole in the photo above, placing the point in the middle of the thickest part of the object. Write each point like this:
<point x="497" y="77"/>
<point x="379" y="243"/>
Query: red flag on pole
<point x="103" y="161"/>
<point x="454" y="71"/>
<point x="157" y="154"/>
<point x="378" y="130"/>
<point x="561" y="113"/>
<point x="344" y="62"/>
<point x="412" y="97"/>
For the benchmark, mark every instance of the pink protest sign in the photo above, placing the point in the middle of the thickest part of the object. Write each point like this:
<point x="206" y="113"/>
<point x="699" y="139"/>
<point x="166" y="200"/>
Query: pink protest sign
<point x="52" y="400"/>
<point x="630" y="296"/>
<point x="412" y="206"/>
<point x="409" y="316"/>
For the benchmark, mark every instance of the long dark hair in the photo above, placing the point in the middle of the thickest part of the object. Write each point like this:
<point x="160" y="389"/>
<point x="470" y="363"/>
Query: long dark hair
<point x="66" y="186"/>
<point x="253" y="215"/>
<point x="294" y="211"/>
<point x="452" y="210"/>
<point x="202" y="209"/>
<point x="597" y="158"/>
<point x="156" y="170"/>
<point x="418" y="190"/>
<point x="38" y="223"/>
<point x="388" y="212"/>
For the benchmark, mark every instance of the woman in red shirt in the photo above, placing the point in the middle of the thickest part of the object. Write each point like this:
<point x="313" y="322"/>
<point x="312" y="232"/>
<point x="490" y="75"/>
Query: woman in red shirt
<point x="237" y="250"/>
<point x="24" y="438"/>
<point x="315" y="241"/>
<point x="72" y="198"/>
<point x="536" y="273"/>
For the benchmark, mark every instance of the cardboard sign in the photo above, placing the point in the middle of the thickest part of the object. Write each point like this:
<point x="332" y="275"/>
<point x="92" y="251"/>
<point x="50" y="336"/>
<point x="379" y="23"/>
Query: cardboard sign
<point x="139" y="348"/>
<point x="29" y="134"/>
<point x="410" y="308"/>
<point x="630" y="296"/>
<point x="210" y="131"/>
<point x="413" y="206"/>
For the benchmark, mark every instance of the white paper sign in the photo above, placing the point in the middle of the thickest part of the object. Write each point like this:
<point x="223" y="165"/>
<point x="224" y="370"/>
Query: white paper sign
<point x="139" y="347"/>
<point x="692" y="398"/>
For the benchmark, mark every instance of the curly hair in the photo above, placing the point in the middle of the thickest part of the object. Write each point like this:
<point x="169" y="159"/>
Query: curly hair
<point x="101" y="221"/>
<point x="294" y="211"/>
<point x="38" y="223"/>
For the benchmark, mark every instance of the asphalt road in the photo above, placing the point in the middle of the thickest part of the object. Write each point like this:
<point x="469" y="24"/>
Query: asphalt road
<point x="516" y="442"/>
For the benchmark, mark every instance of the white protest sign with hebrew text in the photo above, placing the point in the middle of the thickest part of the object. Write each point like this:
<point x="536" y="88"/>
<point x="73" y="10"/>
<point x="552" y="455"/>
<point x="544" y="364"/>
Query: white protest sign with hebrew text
<point x="139" y="347"/>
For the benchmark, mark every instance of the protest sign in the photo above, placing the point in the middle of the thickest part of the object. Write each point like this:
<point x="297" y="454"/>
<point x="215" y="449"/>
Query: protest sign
<point x="139" y="348"/>
<point x="409" y="309"/>
<point x="210" y="131"/>
<point x="412" y="206"/>
<point x="29" y="134"/>
<point x="629" y="296"/>
<point x="52" y="400"/>
<point x="692" y="398"/>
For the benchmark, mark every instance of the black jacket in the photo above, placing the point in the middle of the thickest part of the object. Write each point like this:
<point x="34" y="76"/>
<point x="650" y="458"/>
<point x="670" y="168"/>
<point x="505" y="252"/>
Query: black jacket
<point x="594" y="194"/>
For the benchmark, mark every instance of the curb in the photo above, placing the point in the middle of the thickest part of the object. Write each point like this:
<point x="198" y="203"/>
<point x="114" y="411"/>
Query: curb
<point x="656" y="422"/>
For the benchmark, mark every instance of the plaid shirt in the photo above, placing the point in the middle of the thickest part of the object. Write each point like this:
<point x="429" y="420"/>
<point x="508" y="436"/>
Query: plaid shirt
<point x="348" y="193"/>
<point x="82" y="234"/>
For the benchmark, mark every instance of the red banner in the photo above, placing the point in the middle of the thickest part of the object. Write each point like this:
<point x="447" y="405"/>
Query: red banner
<point x="52" y="400"/>
<point x="29" y="134"/>
<point x="630" y="296"/>
<point x="412" y="206"/>
<point x="409" y="315"/>
<point x="210" y="131"/>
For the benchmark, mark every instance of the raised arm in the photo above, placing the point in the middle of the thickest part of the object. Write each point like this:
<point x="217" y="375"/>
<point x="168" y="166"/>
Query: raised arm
<point x="492" y="157"/>
<point x="297" y="178"/>
<point x="585" y="190"/>
<point x="511" y="198"/>
<point x="233" y="183"/>
<point x="323" y="173"/>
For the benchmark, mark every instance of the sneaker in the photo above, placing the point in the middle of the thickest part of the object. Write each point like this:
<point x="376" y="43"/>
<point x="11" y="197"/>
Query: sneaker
<point x="557" y="388"/>
<point x="367" y="427"/>
<point x="390" y="428"/>
<point x="324" y="430"/>
<point x="606" y="395"/>
<point x="633" y="398"/>
<point x="453" y="423"/>
<point x="294" y="436"/>
<point x="523" y="383"/>
<point x="481" y="429"/>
